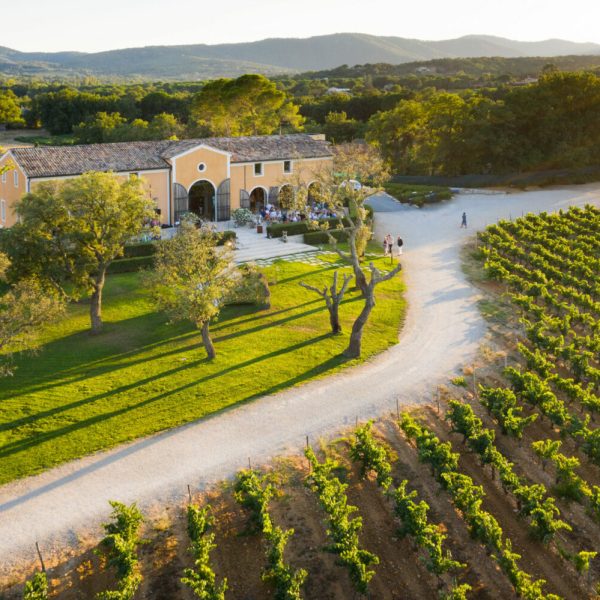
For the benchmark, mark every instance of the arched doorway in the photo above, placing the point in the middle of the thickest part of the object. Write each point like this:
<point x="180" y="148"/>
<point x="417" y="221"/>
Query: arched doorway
<point x="202" y="200"/>
<point x="258" y="199"/>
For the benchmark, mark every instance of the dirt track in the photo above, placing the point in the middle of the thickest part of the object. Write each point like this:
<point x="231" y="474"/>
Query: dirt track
<point x="442" y="333"/>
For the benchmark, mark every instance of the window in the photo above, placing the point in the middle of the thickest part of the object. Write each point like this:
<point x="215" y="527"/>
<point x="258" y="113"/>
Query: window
<point x="4" y="177"/>
<point x="202" y="167"/>
<point x="287" y="166"/>
<point x="3" y="211"/>
<point x="16" y="178"/>
<point x="258" y="169"/>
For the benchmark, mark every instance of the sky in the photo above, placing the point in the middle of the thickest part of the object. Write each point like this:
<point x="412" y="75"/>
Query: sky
<point x="89" y="26"/>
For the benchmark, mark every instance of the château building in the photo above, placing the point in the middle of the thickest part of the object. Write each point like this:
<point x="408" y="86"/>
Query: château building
<point x="209" y="177"/>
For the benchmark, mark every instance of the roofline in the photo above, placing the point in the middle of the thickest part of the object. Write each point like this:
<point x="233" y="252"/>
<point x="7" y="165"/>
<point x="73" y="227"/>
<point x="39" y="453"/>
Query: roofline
<point x="194" y="148"/>
<point x="275" y="160"/>
<point x="66" y="175"/>
<point x="16" y="162"/>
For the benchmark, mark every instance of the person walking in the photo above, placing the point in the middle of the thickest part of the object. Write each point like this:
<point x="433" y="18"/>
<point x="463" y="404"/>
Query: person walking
<point x="385" y="246"/>
<point x="390" y="245"/>
<point x="463" y="223"/>
<point x="400" y="243"/>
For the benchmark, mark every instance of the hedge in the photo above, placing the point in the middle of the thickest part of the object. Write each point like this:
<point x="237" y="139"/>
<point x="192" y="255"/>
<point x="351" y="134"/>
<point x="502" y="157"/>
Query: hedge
<point x="141" y="249"/>
<point x="128" y="265"/>
<point x="276" y="230"/>
<point x="315" y="238"/>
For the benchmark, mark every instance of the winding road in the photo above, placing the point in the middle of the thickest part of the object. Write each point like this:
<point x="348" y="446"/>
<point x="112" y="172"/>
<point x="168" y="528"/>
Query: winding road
<point x="442" y="333"/>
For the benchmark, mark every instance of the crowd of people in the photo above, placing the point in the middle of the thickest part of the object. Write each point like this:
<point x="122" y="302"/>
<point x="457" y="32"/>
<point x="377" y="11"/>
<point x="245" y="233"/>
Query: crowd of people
<point x="271" y="214"/>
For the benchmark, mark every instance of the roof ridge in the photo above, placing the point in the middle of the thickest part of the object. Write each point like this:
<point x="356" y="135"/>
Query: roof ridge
<point x="140" y="155"/>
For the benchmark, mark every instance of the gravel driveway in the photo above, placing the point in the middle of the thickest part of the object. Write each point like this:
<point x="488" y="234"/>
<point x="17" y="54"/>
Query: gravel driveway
<point x="442" y="333"/>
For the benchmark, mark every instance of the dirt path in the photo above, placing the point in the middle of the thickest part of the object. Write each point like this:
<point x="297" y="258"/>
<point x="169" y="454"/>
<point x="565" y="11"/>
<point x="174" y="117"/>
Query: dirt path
<point x="442" y="332"/>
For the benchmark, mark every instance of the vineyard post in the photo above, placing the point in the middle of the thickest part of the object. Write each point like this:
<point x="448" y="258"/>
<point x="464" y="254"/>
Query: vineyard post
<point x="438" y="401"/>
<point x="474" y="383"/>
<point x="249" y="464"/>
<point x="37" y="547"/>
<point x="505" y="360"/>
<point x="189" y="493"/>
<point x="397" y="409"/>
<point x="307" y="460"/>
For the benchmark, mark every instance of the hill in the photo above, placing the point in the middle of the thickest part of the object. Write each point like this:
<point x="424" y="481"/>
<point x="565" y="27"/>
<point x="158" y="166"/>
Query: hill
<point x="275" y="55"/>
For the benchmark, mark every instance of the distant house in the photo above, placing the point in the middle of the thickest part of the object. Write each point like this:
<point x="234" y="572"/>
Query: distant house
<point x="209" y="177"/>
<point x="523" y="82"/>
<point x="337" y="90"/>
<point x="424" y="70"/>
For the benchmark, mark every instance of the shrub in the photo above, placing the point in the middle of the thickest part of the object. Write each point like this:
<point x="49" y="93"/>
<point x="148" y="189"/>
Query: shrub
<point x="315" y="238"/>
<point x="418" y="195"/>
<point x="137" y="250"/>
<point x="129" y="265"/>
<point x="227" y="236"/>
<point x="253" y="288"/>
<point x="276" y="229"/>
<point x="242" y="216"/>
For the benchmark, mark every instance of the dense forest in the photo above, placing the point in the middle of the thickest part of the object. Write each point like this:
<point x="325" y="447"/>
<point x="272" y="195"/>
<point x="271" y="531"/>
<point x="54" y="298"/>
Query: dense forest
<point x="443" y="117"/>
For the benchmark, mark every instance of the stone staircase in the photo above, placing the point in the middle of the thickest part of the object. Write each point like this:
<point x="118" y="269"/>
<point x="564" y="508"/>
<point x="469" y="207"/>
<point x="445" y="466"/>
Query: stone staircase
<point x="252" y="246"/>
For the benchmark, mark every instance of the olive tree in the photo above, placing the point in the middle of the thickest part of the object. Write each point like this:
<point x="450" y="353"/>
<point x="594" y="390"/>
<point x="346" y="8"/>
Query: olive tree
<point x="361" y="163"/>
<point x="24" y="309"/>
<point x="333" y="298"/>
<point x="193" y="277"/>
<point x="69" y="232"/>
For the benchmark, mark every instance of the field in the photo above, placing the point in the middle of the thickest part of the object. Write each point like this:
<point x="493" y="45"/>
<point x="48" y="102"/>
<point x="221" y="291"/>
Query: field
<point x="83" y="393"/>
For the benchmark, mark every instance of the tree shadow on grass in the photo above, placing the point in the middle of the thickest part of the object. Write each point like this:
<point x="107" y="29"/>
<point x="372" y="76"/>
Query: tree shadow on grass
<point x="25" y="444"/>
<point x="279" y="322"/>
<point x="74" y="357"/>
<point x="227" y="315"/>
<point x="309" y="274"/>
<point x="143" y="444"/>
<point x="81" y="370"/>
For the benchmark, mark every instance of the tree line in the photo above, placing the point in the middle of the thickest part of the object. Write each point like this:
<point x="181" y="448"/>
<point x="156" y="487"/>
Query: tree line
<point x="495" y="128"/>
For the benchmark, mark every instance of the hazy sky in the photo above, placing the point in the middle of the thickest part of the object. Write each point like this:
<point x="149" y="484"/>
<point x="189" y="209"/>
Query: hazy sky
<point x="49" y="25"/>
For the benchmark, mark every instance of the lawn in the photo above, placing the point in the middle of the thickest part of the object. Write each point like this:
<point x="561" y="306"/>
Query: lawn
<point x="84" y="393"/>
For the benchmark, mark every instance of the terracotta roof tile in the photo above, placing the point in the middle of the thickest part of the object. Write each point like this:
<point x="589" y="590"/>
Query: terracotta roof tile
<point x="55" y="161"/>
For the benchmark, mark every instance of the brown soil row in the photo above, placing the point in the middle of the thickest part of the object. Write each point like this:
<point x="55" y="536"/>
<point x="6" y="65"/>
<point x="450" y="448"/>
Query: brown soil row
<point x="240" y="556"/>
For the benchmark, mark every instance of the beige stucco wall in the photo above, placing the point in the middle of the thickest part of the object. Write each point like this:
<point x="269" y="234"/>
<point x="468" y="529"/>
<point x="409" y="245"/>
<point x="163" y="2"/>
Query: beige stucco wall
<point x="9" y="192"/>
<point x="157" y="183"/>
<point x="243" y="178"/>
<point x="185" y="168"/>
<point x="158" y="186"/>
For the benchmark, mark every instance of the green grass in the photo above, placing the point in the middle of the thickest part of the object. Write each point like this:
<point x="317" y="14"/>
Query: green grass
<point x="417" y="194"/>
<point x="84" y="393"/>
<point x="66" y="139"/>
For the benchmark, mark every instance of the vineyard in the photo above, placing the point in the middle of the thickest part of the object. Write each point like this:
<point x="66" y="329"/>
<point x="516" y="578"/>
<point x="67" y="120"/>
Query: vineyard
<point x="493" y="493"/>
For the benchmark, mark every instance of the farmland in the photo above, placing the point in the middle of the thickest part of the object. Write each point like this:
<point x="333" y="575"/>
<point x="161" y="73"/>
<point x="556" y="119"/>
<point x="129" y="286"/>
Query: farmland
<point x="507" y="465"/>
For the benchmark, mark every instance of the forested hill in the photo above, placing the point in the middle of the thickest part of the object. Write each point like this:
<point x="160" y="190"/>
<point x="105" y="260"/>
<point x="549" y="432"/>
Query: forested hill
<point x="274" y="56"/>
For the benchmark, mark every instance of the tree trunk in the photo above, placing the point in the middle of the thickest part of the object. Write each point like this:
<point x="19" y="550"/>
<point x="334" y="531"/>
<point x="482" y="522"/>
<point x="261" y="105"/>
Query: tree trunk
<point x="334" y="317"/>
<point x="208" y="345"/>
<point x="354" y="347"/>
<point x="96" y="301"/>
